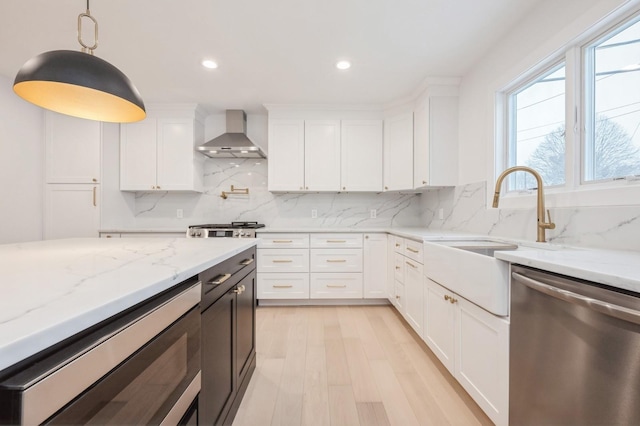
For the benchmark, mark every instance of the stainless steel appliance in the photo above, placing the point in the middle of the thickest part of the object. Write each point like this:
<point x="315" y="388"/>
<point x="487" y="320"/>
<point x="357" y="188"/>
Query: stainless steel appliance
<point x="140" y="367"/>
<point x="234" y="143"/>
<point x="229" y="230"/>
<point x="574" y="351"/>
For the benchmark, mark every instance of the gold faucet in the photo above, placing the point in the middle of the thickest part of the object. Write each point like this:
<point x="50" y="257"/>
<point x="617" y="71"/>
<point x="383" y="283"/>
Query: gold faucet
<point x="542" y="225"/>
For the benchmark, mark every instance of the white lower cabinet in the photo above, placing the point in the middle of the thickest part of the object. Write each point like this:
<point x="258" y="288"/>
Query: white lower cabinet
<point x="283" y="286"/>
<point x="374" y="272"/>
<point x="336" y="285"/>
<point x="474" y="346"/>
<point x="413" y="292"/>
<point x="283" y="260"/>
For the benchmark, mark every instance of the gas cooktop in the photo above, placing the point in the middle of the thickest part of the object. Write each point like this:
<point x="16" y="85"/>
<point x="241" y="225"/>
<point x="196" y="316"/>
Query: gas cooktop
<point x="231" y="230"/>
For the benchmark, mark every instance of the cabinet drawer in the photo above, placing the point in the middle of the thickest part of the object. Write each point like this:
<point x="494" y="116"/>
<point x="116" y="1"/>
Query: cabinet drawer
<point x="336" y="286"/>
<point x="283" y="241"/>
<point x="336" y="240"/>
<point x="283" y="260"/>
<point x="336" y="260"/>
<point x="398" y="244"/>
<point x="398" y="267"/>
<point x="283" y="286"/>
<point x="413" y="250"/>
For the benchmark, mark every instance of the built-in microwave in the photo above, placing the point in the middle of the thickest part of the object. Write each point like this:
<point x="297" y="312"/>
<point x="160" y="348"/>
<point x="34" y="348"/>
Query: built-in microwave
<point x="140" y="368"/>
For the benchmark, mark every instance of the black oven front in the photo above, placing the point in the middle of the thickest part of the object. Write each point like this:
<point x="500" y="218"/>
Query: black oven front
<point x="141" y="368"/>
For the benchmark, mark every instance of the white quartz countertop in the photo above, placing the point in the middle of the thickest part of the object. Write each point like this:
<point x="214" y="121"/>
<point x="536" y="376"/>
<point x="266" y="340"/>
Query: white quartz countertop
<point x="54" y="289"/>
<point x="620" y="269"/>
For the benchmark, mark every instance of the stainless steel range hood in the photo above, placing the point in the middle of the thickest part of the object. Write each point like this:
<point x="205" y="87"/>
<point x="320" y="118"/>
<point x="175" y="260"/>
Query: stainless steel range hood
<point x="234" y="143"/>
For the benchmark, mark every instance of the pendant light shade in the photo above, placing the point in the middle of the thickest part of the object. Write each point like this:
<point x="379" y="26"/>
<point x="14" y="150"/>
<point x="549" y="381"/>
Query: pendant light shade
<point x="81" y="85"/>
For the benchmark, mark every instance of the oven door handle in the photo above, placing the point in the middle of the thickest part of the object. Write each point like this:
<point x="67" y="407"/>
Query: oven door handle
<point x="620" y="312"/>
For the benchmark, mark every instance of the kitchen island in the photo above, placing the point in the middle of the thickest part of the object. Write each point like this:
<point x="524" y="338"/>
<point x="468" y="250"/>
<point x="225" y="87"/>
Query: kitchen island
<point x="54" y="289"/>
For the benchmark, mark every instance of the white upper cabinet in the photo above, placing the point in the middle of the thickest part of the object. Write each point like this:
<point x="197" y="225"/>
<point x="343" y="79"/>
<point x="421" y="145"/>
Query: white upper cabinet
<point x="286" y="155"/>
<point x="158" y="153"/>
<point x="436" y="141"/>
<point x="72" y="149"/>
<point x="71" y="211"/>
<point x="398" y="152"/>
<point x="322" y="155"/>
<point x="361" y="155"/>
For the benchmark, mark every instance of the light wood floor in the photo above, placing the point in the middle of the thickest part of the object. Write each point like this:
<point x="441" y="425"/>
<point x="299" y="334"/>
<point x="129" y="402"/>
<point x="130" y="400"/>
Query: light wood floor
<point x="348" y="365"/>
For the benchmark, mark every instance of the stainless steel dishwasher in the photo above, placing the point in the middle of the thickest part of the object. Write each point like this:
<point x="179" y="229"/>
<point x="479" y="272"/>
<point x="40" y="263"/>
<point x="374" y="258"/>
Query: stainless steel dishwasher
<point x="574" y="351"/>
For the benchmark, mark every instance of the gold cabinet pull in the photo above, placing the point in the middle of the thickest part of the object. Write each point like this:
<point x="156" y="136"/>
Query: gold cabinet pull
<point x="397" y="245"/>
<point x="336" y="241"/>
<point x="219" y="279"/>
<point x="282" y="261"/>
<point x="94" y="180"/>
<point x="397" y="267"/>
<point x="336" y="260"/>
<point x="336" y="285"/>
<point x="282" y="241"/>
<point x="413" y="250"/>
<point x="450" y="299"/>
<point x="246" y="262"/>
<point x="411" y="264"/>
<point x="94" y="196"/>
<point x="424" y="182"/>
<point x="282" y="286"/>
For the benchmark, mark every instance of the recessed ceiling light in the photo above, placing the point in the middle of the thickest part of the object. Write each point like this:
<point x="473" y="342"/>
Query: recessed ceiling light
<point x="343" y="65"/>
<point x="208" y="63"/>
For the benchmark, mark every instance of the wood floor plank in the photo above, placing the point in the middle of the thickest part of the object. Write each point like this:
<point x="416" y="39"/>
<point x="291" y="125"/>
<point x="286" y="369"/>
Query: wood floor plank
<point x="372" y="414"/>
<point x="342" y="406"/>
<point x="391" y="346"/>
<point x="346" y="319"/>
<point x="364" y="386"/>
<point x="315" y="403"/>
<point x="367" y="335"/>
<point x="395" y="401"/>
<point x="337" y="366"/>
<point x="259" y="404"/>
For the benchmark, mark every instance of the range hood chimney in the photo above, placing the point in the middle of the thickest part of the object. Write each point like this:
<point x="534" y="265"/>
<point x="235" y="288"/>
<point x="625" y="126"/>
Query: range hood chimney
<point x="234" y="143"/>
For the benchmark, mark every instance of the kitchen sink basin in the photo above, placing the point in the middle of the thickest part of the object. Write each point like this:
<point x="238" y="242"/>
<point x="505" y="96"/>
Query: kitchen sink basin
<point x="468" y="268"/>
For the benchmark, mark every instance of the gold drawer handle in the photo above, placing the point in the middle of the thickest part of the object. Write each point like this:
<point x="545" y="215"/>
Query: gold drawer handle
<point x="282" y="286"/>
<point x="450" y="299"/>
<point x="397" y="267"/>
<point x="246" y="262"/>
<point x="411" y="264"/>
<point x="282" y="261"/>
<point x="336" y="241"/>
<point x="336" y="260"/>
<point x="336" y="285"/>
<point x="413" y="250"/>
<point x="220" y="279"/>
<point x="397" y="245"/>
<point x="283" y="241"/>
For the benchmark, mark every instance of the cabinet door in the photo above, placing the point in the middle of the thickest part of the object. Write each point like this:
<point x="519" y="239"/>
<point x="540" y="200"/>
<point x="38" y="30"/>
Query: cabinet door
<point x="439" y="323"/>
<point x="391" y="253"/>
<point x="375" y="266"/>
<point x="218" y="342"/>
<point x="361" y="155"/>
<point x="482" y="359"/>
<point x="413" y="290"/>
<point x="138" y="156"/>
<point x="71" y="210"/>
<point x="321" y="155"/>
<point x="72" y="149"/>
<point x="398" y="152"/>
<point x="245" y="325"/>
<point x="436" y="142"/>
<point x="175" y="155"/>
<point x="286" y="155"/>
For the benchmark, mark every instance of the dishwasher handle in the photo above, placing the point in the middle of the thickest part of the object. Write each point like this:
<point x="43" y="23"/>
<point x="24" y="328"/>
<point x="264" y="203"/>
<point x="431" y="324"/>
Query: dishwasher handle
<point x="620" y="312"/>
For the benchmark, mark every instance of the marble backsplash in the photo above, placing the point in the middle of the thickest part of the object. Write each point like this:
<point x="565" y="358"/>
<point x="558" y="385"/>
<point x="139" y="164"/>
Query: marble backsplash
<point x="464" y="209"/>
<point x="158" y="209"/>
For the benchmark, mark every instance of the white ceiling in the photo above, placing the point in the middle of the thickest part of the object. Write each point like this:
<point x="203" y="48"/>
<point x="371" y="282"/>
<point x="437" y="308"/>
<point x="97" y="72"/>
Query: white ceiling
<point x="278" y="51"/>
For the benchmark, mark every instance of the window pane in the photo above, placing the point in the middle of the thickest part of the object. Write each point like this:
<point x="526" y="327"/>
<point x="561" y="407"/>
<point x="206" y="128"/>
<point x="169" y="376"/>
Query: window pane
<point x="612" y="142"/>
<point x="537" y="130"/>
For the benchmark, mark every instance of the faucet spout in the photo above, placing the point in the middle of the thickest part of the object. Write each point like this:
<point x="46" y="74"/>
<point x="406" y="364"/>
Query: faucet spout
<point x="542" y="226"/>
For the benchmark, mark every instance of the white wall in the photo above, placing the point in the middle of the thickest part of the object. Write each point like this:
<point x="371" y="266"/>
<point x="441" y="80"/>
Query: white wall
<point x="21" y="167"/>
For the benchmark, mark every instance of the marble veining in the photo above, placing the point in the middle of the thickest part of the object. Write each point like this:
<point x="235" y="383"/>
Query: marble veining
<point x="56" y="288"/>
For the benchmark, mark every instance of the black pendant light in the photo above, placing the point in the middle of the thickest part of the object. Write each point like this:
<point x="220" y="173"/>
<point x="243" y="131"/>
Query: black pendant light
<point x="80" y="84"/>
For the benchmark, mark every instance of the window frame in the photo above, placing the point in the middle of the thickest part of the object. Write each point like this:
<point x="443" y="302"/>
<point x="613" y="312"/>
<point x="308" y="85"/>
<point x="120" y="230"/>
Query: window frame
<point x="576" y="192"/>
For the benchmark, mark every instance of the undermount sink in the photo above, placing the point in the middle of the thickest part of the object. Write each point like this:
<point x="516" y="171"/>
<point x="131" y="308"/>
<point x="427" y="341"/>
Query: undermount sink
<point x="468" y="268"/>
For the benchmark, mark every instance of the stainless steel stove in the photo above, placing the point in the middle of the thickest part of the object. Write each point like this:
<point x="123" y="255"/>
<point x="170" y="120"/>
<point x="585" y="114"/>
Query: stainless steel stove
<point x="229" y="230"/>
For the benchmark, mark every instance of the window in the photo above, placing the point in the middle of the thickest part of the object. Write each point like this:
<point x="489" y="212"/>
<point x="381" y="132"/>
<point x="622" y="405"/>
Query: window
<point x="536" y="136"/>
<point x="577" y="121"/>
<point x="612" y="101"/>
